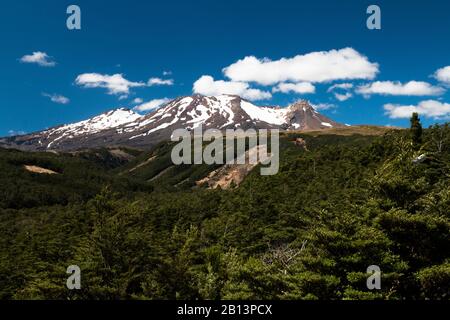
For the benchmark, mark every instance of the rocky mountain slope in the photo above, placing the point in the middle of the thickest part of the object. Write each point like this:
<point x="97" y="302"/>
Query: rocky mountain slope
<point x="123" y="127"/>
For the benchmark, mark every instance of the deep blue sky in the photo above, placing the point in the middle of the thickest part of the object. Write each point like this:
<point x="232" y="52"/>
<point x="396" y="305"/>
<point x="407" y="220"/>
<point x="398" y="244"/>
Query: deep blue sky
<point x="141" y="39"/>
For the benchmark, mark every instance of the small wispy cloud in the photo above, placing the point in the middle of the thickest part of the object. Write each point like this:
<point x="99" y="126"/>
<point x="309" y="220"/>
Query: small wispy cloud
<point x="343" y="97"/>
<point x="341" y="91"/>
<point x="138" y="100"/>
<point x="151" y="105"/>
<point x="12" y="133"/>
<point x="324" y="106"/>
<point x="344" y="86"/>
<point x="40" y="58"/>
<point x="57" y="98"/>
<point x="160" y="82"/>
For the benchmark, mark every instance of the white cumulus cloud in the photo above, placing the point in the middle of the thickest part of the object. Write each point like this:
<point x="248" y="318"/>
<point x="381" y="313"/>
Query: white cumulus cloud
<point x="443" y="75"/>
<point x="429" y="108"/>
<point x="115" y="84"/>
<point x="160" y="82"/>
<point x="319" y="66"/>
<point x="152" y="104"/>
<point x="301" y="87"/>
<point x="39" y="58"/>
<point x="207" y="86"/>
<point x="57" y="98"/>
<point x="411" y="88"/>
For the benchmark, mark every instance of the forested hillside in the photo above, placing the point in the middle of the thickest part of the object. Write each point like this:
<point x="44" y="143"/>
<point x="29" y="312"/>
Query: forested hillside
<point x="142" y="229"/>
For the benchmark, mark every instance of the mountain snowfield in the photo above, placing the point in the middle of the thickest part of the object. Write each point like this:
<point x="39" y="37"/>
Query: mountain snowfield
<point x="123" y="127"/>
<point x="107" y="120"/>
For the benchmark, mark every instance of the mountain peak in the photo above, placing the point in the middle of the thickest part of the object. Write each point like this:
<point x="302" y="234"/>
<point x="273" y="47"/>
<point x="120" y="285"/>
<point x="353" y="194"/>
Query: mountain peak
<point x="124" y="127"/>
<point x="303" y="105"/>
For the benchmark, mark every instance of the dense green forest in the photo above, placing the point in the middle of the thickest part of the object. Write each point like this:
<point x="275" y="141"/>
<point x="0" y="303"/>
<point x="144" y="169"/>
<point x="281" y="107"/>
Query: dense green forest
<point x="142" y="229"/>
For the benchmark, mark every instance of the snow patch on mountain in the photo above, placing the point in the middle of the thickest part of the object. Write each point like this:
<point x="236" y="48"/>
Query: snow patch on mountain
<point x="266" y="114"/>
<point x="107" y="120"/>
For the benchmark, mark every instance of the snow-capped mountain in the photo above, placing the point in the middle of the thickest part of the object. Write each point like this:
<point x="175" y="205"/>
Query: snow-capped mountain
<point x="108" y="120"/>
<point x="127" y="128"/>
